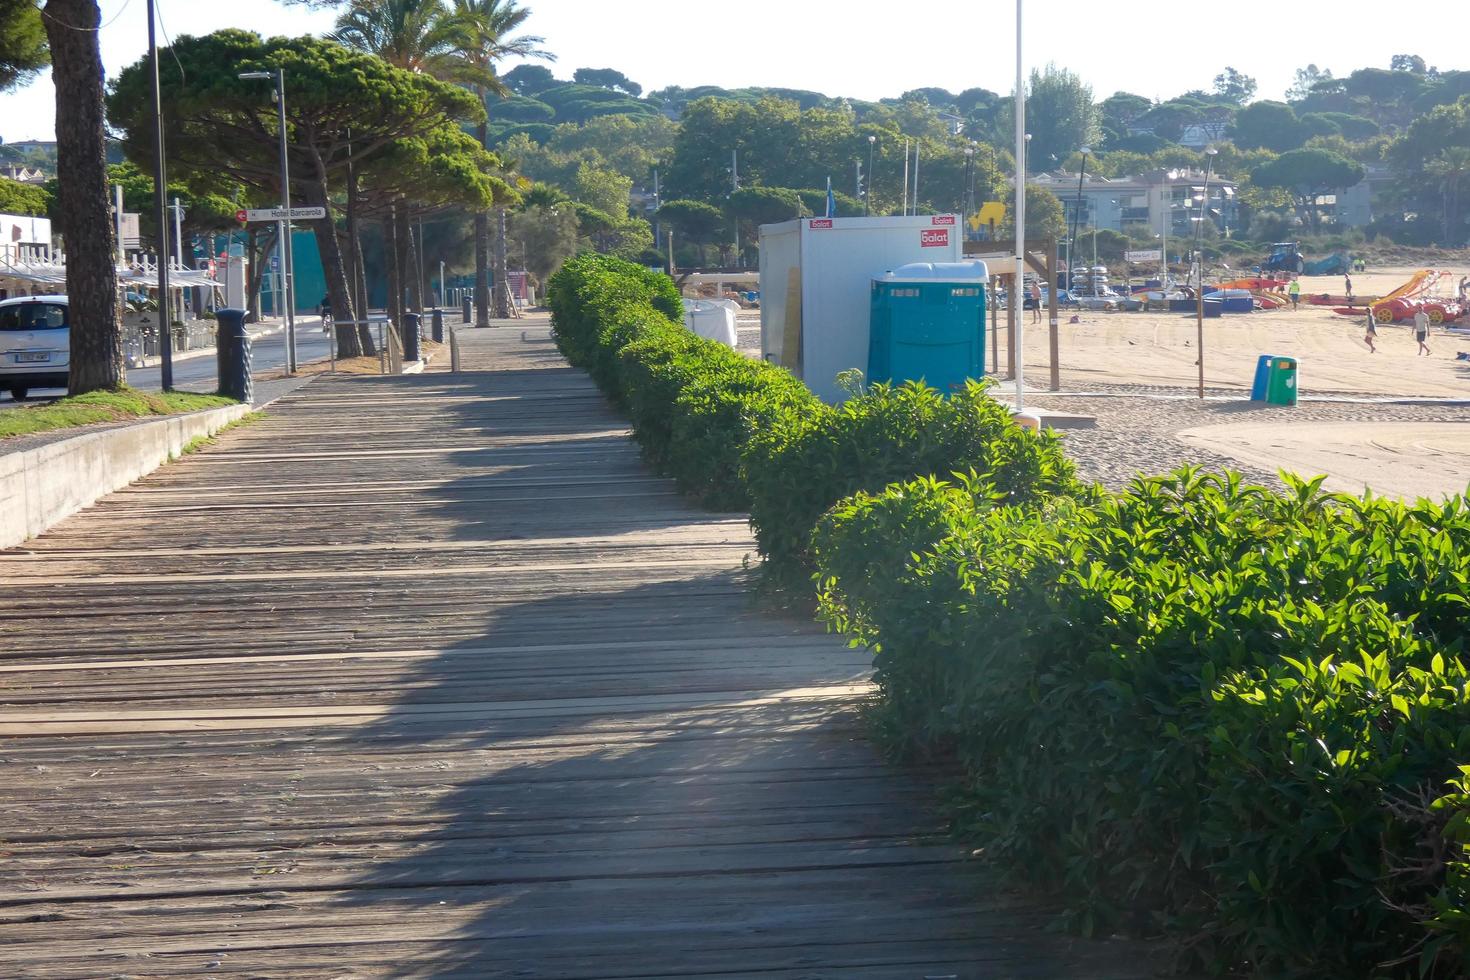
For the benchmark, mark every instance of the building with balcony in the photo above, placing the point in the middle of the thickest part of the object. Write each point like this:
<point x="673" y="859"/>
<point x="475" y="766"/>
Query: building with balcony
<point x="1148" y="200"/>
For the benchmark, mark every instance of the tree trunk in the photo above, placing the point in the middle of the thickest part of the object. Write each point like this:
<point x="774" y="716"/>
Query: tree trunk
<point x="482" y="270"/>
<point x="412" y="262"/>
<point x="314" y="194"/>
<point x="482" y="248"/>
<point x="394" y="304"/>
<point x="502" y="278"/>
<point x="83" y="202"/>
<point x="400" y="262"/>
<point x="259" y="241"/>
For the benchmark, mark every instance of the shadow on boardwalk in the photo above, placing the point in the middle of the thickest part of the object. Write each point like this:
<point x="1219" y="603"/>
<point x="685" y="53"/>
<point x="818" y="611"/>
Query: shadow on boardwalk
<point x="430" y="677"/>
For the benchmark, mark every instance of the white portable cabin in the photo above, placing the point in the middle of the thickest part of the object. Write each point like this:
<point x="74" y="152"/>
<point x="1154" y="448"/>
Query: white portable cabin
<point x="816" y="280"/>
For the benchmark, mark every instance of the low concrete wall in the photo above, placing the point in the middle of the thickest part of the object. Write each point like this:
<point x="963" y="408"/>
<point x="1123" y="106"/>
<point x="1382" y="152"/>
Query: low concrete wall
<point x="40" y="487"/>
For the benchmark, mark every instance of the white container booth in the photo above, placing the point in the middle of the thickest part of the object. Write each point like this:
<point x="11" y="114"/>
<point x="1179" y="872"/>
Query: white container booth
<point x="816" y="283"/>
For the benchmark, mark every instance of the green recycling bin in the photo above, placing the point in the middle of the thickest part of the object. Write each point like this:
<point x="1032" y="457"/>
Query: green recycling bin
<point x="1281" y="388"/>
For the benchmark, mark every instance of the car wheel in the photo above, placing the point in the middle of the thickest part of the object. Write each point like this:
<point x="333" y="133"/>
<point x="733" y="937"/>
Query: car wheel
<point x="19" y="393"/>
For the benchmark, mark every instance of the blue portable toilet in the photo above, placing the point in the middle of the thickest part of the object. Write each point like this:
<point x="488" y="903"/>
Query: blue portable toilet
<point x="927" y="324"/>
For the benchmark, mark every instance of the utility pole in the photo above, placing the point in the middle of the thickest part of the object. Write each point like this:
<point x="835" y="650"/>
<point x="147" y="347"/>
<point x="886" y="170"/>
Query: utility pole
<point x="1199" y="260"/>
<point x="117" y="219"/>
<point x="905" y="177"/>
<point x="1017" y="285"/>
<point x="179" y="233"/>
<point x="868" y="190"/>
<point x="160" y="207"/>
<point x="735" y="186"/>
<point x="657" y="203"/>
<point x="288" y="291"/>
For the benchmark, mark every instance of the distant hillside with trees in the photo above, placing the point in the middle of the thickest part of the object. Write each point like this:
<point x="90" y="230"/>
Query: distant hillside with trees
<point x="1406" y="127"/>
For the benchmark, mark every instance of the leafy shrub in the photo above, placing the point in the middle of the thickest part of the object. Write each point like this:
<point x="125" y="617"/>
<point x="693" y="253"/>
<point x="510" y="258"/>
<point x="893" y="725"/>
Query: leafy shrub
<point x="1197" y="705"/>
<point x="736" y="432"/>
<point x="693" y="403"/>
<point x="803" y="463"/>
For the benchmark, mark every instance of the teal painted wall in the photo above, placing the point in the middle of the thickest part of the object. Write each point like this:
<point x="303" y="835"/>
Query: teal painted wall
<point x="311" y="281"/>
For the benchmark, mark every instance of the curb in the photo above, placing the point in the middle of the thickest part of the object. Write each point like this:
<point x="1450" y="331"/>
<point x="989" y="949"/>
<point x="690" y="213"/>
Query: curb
<point x="41" y="487"/>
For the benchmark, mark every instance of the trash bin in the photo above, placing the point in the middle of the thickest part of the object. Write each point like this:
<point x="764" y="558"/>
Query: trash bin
<point x="233" y="355"/>
<point x="410" y="336"/>
<point x="927" y="323"/>
<point x="1263" y="374"/>
<point x="1281" y="388"/>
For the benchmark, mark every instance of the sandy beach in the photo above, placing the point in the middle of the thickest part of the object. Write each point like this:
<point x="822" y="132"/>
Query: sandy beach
<point x="1134" y="372"/>
<point x="1386" y="421"/>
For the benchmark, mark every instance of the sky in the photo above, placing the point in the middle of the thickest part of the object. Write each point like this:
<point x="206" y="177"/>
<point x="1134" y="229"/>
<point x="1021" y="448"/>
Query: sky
<point x="869" y="50"/>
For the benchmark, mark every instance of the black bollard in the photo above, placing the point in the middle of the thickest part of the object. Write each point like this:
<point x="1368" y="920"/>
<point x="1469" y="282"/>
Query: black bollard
<point x="438" y="327"/>
<point x="232" y="355"/>
<point x="410" y="336"/>
<point x="465" y="310"/>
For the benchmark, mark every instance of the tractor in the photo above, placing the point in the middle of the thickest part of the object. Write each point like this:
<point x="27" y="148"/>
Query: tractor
<point x="1284" y="257"/>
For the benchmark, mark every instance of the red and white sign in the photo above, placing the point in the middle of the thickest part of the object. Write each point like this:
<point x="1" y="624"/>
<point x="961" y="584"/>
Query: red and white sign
<point x="935" y="238"/>
<point x="241" y="215"/>
<point x="944" y="219"/>
<point x="821" y="223"/>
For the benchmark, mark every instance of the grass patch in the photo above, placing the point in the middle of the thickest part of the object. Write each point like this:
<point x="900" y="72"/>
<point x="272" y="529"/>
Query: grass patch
<point x="199" y="442"/>
<point x="103" y="406"/>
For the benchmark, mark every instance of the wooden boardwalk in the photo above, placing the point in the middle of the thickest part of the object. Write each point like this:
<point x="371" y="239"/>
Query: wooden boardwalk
<point x="429" y="677"/>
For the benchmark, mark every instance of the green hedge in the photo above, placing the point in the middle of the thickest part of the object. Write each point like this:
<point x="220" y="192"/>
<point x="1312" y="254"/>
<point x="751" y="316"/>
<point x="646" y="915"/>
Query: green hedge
<point x="1196" y="705"/>
<point x="738" y="433"/>
<point x="803" y="463"/>
<point x="693" y="403"/>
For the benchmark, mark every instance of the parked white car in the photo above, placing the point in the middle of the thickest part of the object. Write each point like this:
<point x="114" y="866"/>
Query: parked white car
<point x="35" y="344"/>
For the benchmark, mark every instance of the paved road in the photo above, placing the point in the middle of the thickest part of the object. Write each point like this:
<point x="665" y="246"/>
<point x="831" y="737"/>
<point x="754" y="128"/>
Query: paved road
<point x="198" y="373"/>
<point x="431" y="677"/>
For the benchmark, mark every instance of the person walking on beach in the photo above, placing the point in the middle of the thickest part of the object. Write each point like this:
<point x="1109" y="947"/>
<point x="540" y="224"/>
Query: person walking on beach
<point x="1421" y="330"/>
<point x="1295" y="292"/>
<point x="1035" y="302"/>
<point x="1372" y="333"/>
<point x="1348" y="282"/>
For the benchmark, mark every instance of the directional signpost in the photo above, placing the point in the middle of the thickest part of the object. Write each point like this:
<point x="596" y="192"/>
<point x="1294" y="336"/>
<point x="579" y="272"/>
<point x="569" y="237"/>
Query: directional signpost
<point x="245" y="215"/>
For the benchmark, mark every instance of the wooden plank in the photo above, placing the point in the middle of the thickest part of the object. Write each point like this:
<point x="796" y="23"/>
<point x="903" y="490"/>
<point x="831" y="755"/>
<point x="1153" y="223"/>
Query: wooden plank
<point x="464" y="692"/>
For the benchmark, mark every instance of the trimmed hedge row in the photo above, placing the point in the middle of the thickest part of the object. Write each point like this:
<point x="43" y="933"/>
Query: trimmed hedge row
<point x="1197" y="705"/>
<point x="737" y="433"/>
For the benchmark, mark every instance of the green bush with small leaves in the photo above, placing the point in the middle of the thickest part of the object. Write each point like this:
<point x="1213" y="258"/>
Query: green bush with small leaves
<point x="1197" y="706"/>
<point x="738" y="433"/>
<point x="802" y="464"/>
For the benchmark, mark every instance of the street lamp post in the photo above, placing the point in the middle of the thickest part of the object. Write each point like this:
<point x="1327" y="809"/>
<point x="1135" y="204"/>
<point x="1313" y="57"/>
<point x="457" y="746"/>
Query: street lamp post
<point x="1200" y="264"/>
<point x="967" y="199"/>
<point x="160" y="203"/>
<point x="1076" y="219"/>
<point x="287" y="275"/>
<point x="868" y="187"/>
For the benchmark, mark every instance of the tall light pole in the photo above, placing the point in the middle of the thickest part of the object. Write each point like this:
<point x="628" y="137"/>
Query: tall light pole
<point x="1076" y="218"/>
<point x="868" y="187"/>
<point x="1017" y="287"/>
<point x="967" y="199"/>
<point x="734" y="186"/>
<point x="160" y="211"/>
<point x="288" y="277"/>
<point x="1200" y="263"/>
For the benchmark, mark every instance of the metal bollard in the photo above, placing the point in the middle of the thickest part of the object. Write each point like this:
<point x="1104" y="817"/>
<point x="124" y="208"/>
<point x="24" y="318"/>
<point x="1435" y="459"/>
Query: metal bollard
<point x="438" y="327"/>
<point x="465" y="309"/>
<point x="410" y="336"/>
<point x="233" y="355"/>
